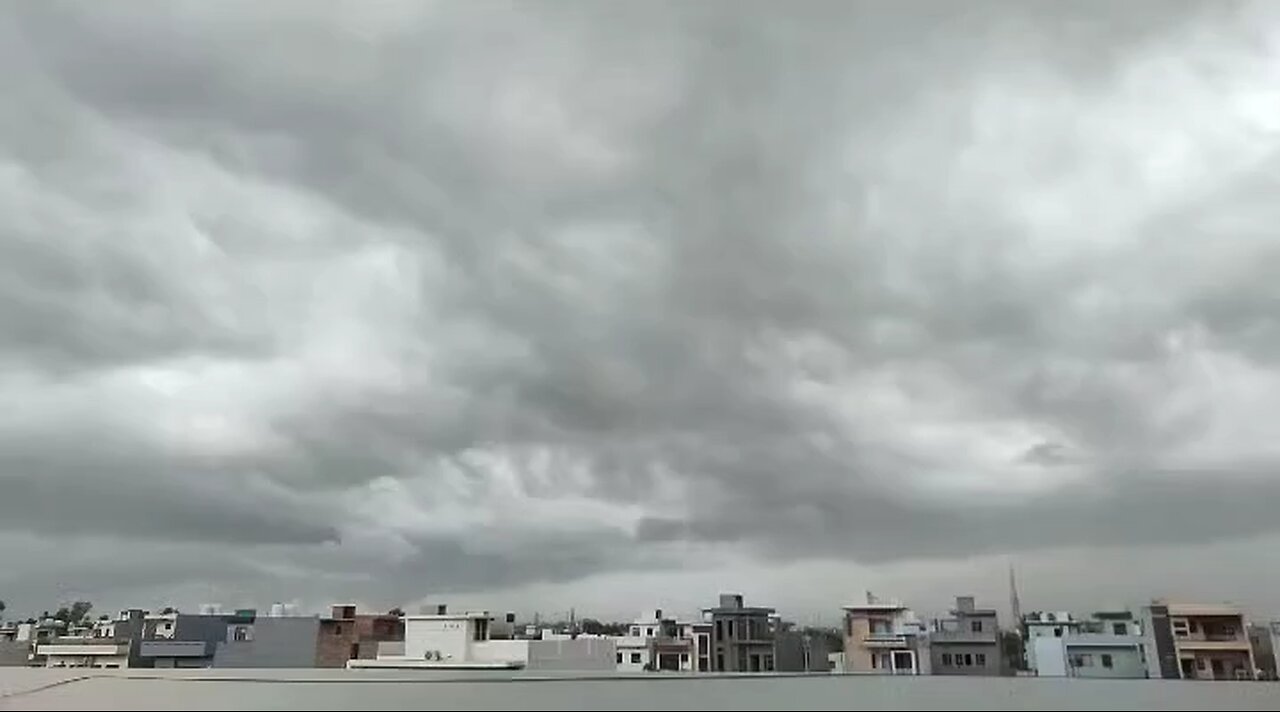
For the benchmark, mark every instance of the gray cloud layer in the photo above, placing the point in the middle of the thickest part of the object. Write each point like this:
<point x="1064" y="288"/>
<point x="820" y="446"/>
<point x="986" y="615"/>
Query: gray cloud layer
<point x="437" y="296"/>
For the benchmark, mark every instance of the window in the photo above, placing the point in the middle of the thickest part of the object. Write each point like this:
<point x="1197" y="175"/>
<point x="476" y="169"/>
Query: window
<point x="1228" y="629"/>
<point x="1180" y="628"/>
<point x="684" y="657"/>
<point x="768" y="663"/>
<point x="635" y="657"/>
<point x="975" y="626"/>
<point x="355" y="651"/>
<point x="720" y="662"/>
<point x="1057" y="632"/>
<point x="1191" y="626"/>
<point x="635" y="631"/>
<point x="619" y="658"/>
<point x="719" y="630"/>
<point x="1106" y="660"/>
<point x="968" y="660"/>
<point x="648" y="632"/>
<point x="1076" y="661"/>
<point x="875" y="661"/>
<point x="1200" y="663"/>
<point x="946" y="659"/>
<point x="982" y="659"/>
<point x="1119" y="628"/>
<point x="730" y="627"/>
<point x="1086" y="660"/>
<point x="337" y="630"/>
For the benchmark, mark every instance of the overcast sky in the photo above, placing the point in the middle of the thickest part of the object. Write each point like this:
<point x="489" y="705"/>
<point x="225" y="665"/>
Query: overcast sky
<point x="619" y="305"/>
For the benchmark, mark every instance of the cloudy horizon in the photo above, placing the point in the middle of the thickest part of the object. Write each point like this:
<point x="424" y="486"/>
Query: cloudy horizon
<point x="618" y="305"/>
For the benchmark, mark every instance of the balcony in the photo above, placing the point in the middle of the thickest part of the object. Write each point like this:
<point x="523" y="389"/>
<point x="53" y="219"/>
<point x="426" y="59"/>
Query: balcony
<point x="85" y="648"/>
<point x="886" y="641"/>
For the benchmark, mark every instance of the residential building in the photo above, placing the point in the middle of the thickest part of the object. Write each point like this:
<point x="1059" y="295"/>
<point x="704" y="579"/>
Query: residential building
<point x="655" y="643"/>
<point x="967" y="643"/>
<point x="883" y="638"/>
<point x="700" y="633"/>
<point x="1110" y="644"/>
<point x="108" y="644"/>
<point x="1198" y="641"/>
<point x="798" y="651"/>
<point x="742" y="637"/>
<point x="180" y="640"/>
<point x="253" y="641"/>
<point x="1260" y="639"/>
<point x="348" y="635"/>
<point x="461" y="641"/>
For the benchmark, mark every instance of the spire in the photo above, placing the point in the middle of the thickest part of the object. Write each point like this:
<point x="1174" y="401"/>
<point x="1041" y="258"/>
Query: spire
<point x="1014" y="604"/>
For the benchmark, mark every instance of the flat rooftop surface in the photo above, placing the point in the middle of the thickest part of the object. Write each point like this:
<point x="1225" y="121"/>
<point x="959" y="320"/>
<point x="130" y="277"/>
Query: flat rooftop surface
<point x="25" y="688"/>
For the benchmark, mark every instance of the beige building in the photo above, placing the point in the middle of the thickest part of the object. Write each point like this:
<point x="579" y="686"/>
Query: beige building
<point x="883" y="638"/>
<point x="1199" y="641"/>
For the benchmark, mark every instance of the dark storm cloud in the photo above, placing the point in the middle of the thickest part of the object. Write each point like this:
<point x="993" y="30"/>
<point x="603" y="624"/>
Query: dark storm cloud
<point x="853" y="278"/>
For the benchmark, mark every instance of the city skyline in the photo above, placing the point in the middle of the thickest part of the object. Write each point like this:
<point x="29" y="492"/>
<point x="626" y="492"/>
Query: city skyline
<point x="593" y="302"/>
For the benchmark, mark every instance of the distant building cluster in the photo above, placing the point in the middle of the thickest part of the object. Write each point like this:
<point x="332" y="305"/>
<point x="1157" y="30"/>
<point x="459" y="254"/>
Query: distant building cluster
<point x="1165" y="639"/>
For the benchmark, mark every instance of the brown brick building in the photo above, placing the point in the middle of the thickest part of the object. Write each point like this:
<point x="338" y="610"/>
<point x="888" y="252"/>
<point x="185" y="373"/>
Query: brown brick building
<point x="347" y="635"/>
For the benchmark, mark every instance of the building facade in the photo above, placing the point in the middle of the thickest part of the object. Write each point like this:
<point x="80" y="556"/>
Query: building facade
<point x="967" y="643"/>
<point x="444" y="640"/>
<point x="656" y="643"/>
<point x="742" y="637"/>
<point x="349" y="635"/>
<point x="1198" y="642"/>
<point x="883" y="638"/>
<point x="1111" y="644"/>
<point x="797" y="651"/>
<point x="253" y="641"/>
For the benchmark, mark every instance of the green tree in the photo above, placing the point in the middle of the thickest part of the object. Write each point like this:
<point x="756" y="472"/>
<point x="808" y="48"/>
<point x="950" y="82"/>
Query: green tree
<point x="77" y="612"/>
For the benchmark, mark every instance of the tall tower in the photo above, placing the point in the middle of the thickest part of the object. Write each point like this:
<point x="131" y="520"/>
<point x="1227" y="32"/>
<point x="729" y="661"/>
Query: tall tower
<point x="1014" y="604"/>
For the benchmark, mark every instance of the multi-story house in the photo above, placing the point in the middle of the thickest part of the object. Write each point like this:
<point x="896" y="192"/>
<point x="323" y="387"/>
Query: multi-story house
<point x="1110" y="644"/>
<point x="883" y="637"/>
<point x="113" y="643"/>
<point x="1260" y="639"/>
<point x="253" y="641"/>
<point x="968" y="643"/>
<point x="349" y="635"/>
<point x="656" y="643"/>
<point x="741" y="636"/>
<point x="1198" y="641"/>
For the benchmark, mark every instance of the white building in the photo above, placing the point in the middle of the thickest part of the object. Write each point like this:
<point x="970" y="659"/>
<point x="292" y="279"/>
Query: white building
<point x="658" y="643"/>
<point x="461" y="641"/>
<point x="1109" y="645"/>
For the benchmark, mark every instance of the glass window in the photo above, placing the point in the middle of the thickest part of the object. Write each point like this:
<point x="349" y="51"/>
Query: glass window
<point x="875" y="661"/>
<point x="982" y="659"/>
<point x="1119" y="628"/>
<point x="946" y="659"/>
<point x="968" y="660"/>
<point x="619" y="657"/>
<point x="975" y="626"/>
<point x="684" y="657"/>
<point x="1106" y="660"/>
<point x="635" y="657"/>
<point x="1057" y="632"/>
